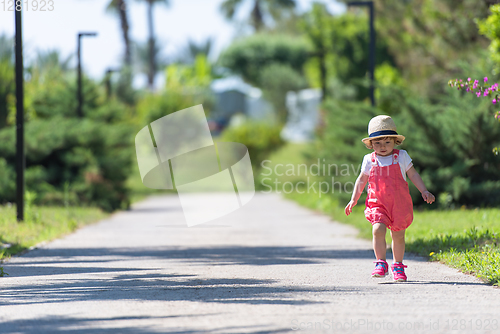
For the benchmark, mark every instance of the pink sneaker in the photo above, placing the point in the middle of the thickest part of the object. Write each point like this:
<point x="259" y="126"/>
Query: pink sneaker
<point x="398" y="271"/>
<point x="381" y="268"/>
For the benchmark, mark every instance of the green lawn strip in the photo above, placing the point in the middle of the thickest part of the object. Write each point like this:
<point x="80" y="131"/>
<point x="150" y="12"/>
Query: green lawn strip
<point x="41" y="224"/>
<point x="468" y="240"/>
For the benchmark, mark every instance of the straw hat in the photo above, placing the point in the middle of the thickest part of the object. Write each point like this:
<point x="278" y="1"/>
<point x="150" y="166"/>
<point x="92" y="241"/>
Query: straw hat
<point x="382" y="126"/>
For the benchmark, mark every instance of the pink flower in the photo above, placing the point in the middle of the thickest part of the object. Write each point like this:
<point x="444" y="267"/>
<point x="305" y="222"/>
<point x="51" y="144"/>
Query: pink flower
<point x="485" y="93"/>
<point x="494" y="101"/>
<point x="485" y="79"/>
<point x="476" y="81"/>
<point x="478" y="94"/>
<point x="468" y="89"/>
<point x="462" y="85"/>
<point x="468" y="79"/>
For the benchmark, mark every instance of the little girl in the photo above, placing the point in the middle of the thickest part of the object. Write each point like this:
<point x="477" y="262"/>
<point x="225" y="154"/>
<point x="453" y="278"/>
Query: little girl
<point x="388" y="203"/>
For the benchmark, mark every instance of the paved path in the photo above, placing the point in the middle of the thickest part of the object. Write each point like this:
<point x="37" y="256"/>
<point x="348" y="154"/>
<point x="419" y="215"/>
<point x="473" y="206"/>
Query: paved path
<point x="271" y="267"/>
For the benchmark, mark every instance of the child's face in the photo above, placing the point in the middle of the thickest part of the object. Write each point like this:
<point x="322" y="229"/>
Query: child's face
<point x="383" y="146"/>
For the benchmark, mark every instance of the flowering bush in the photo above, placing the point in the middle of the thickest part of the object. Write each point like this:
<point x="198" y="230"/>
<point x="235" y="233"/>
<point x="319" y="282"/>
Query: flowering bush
<point x="474" y="87"/>
<point x="484" y="90"/>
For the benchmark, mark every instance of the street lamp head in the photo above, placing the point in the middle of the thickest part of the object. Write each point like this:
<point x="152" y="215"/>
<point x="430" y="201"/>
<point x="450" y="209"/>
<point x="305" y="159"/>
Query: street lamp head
<point x="111" y="70"/>
<point x="87" y="34"/>
<point x="360" y="3"/>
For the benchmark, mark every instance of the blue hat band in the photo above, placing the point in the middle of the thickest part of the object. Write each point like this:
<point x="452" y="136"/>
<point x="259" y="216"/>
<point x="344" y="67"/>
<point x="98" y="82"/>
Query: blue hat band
<point x="383" y="133"/>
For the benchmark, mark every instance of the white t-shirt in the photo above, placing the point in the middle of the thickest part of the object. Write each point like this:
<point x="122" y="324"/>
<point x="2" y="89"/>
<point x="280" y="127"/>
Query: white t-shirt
<point x="404" y="162"/>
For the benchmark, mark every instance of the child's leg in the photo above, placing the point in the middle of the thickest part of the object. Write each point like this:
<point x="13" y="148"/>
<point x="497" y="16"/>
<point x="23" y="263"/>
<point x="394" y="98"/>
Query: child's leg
<point x="398" y="245"/>
<point x="379" y="245"/>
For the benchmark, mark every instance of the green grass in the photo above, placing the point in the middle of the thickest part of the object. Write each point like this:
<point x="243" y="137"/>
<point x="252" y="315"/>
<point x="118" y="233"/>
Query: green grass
<point x="40" y="224"/>
<point x="284" y="166"/>
<point x="468" y="240"/>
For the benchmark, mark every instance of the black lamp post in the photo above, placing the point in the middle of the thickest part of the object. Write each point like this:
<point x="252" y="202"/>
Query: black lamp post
<point x="372" y="45"/>
<point x="20" y="158"/>
<point x="109" y="71"/>
<point x="79" y="94"/>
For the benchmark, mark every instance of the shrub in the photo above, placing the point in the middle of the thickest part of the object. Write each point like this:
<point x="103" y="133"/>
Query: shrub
<point x="93" y="157"/>
<point x="450" y="141"/>
<point x="260" y="138"/>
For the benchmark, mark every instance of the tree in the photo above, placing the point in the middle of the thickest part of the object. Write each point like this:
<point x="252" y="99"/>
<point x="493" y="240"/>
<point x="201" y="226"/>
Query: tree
<point x="46" y="60"/>
<point x="247" y="57"/>
<point x="340" y="49"/>
<point x="490" y="27"/>
<point x="273" y="63"/>
<point x="152" y="41"/>
<point x="427" y="38"/>
<point x="317" y="25"/>
<point x="194" y="50"/>
<point x="120" y="7"/>
<point x="261" y="8"/>
<point x="124" y="89"/>
<point x="142" y="59"/>
<point x="7" y="78"/>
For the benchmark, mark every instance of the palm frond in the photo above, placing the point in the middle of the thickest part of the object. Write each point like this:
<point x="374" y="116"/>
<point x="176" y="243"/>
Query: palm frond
<point x="229" y="7"/>
<point x="52" y="59"/>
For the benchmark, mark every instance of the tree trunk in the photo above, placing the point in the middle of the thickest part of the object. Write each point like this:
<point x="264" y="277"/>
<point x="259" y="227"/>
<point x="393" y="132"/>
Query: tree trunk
<point x="258" y="21"/>
<point x="151" y="42"/>
<point x="323" y="74"/>
<point x="122" y="8"/>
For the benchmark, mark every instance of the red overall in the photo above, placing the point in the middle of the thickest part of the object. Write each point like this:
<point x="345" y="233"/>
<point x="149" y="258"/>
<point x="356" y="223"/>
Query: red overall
<point x="388" y="201"/>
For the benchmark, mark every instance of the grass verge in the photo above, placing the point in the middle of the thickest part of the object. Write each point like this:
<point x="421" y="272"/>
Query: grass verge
<point x="41" y="224"/>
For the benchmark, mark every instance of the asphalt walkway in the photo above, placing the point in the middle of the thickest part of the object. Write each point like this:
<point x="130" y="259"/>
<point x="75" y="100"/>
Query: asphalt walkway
<point x="271" y="267"/>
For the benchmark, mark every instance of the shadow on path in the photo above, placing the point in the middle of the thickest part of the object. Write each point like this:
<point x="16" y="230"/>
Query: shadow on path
<point x="227" y="255"/>
<point x="144" y="284"/>
<point x="62" y="324"/>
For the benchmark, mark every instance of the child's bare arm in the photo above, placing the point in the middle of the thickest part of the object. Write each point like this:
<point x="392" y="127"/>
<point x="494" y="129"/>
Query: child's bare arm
<point x="417" y="181"/>
<point x="358" y="190"/>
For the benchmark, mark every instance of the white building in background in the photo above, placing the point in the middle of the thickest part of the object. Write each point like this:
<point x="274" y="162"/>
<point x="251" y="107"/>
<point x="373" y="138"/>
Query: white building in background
<point x="303" y="115"/>
<point x="237" y="101"/>
<point x="234" y="96"/>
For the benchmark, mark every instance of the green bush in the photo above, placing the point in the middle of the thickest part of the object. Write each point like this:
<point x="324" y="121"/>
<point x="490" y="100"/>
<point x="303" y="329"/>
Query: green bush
<point x="154" y="106"/>
<point x="93" y="157"/>
<point x="7" y="87"/>
<point x="450" y="140"/>
<point x="260" y="138"/>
